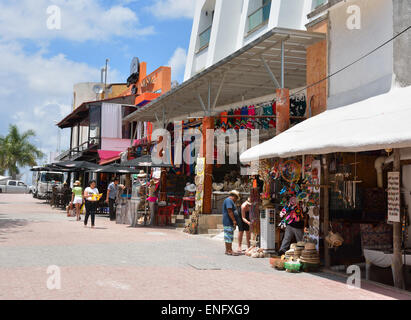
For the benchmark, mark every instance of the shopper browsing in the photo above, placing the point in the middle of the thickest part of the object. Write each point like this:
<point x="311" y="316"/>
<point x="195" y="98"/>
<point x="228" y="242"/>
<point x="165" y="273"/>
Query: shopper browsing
<point x="77" y="198"/>
<point x="91" y="196"/>
<point x="230" y="221"/>
<point x="112" y="191"/>
<point x="245" y="219"/>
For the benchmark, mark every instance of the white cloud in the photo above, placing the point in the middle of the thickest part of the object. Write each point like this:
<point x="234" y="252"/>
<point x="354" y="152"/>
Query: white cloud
<point x="173" y="9"/>
<point x="36" y="91"/>
<point x="81" y="20"/>
<point x="177" y="63"/>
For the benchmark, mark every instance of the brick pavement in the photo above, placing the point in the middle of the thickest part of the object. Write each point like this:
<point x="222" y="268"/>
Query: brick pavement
<point x="120" y="262"/>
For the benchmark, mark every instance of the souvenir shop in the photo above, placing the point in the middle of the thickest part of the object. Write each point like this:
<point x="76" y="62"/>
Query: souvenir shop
<point x="359" y="231"/>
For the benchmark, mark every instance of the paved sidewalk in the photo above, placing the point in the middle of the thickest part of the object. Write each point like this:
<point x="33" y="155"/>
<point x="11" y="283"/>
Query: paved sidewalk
<point x="119" y="262"/>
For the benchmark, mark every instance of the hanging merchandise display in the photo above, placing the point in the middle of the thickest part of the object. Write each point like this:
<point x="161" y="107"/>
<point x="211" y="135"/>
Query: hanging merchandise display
<point x="299" y="194"/>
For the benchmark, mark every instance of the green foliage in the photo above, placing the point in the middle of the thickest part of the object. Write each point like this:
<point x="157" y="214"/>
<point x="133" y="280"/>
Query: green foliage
<point x="17" y="151"/>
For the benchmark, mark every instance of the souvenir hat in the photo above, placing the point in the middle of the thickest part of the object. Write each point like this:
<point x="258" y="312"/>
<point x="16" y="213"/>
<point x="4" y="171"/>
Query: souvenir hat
<point x="142" y="174"/>
<point x="235" y="193"/>
<point x="191" y="188"/>
<point x="309" y="246"/>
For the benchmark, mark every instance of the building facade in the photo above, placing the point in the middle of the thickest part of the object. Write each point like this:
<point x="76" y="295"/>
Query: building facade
<point x="222" y="27"/>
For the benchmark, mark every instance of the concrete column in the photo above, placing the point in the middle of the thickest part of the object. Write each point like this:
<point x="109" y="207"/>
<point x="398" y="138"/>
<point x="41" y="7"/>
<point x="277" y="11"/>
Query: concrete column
<point x="283" y="110"/>
<point x="208" y="123"/>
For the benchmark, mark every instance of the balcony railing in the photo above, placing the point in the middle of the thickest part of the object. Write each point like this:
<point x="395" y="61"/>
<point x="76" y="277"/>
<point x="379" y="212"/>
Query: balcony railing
<point x="259" y="17"/>
<point x="76" y="152"/>
<point x="204" y="38"/>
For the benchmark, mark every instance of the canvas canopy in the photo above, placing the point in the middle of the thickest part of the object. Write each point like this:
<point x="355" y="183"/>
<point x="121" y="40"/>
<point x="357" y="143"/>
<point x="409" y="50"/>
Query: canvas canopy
<point x="377" y="123"/>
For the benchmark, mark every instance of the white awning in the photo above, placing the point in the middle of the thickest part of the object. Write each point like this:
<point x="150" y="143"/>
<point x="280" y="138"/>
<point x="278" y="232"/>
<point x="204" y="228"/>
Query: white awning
<point x="380" y="122"/>
<point x="242" y="74"/>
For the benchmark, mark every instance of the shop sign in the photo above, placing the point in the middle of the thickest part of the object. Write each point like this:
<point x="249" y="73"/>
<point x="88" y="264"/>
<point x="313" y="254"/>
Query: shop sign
<point x="394" y="196"/>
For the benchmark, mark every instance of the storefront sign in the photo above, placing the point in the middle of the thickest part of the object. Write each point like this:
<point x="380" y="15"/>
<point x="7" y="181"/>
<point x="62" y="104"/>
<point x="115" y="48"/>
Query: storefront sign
<point x="394" y="196"/>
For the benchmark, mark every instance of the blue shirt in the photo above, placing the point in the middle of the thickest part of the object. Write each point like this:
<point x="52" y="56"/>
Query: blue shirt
<point x="228" y="204"/>
<point x="113" y="191"/>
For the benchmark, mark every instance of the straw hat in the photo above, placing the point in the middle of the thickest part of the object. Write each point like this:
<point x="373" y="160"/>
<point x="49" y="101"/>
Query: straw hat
<point x="235" y="193"/>
<point x="190" y="187"/>
<point x="309" y="246"/>
<point x="77" y="183"/>
<point x="142" y="174"/>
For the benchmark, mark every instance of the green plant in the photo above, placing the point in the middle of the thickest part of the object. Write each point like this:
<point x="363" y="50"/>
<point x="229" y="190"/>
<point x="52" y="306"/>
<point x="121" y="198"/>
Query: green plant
<point x="17" y="151"/>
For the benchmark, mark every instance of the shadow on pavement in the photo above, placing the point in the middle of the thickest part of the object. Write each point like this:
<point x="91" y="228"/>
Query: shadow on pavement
<point x="7" y="225"/>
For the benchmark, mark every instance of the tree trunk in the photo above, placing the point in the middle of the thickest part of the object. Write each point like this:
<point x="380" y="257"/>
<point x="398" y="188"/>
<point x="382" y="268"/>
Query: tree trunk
<point x="397" y="258"/>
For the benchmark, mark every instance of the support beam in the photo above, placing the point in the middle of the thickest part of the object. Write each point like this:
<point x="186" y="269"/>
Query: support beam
<point x="397" y="262"/>
<point x="283" y="110"/>
<point x="132" y="135"/>
<point x="164" y="117"/>
<point x="220" y="87"/>
<point x="282" y="63"/>
<point x="208" y="123"/>
<point x="326" y="207"/>
<point x="270" y="73"/>
<point x="209" y="97"/>
<point x="202" y="103"/>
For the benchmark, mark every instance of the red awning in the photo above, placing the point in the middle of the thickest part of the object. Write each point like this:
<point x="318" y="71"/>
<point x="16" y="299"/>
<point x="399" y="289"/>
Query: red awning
<point x="107" y="156"/>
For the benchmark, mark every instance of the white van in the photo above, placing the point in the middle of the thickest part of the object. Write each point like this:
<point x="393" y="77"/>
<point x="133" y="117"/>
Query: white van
<point x="43" y="182"/>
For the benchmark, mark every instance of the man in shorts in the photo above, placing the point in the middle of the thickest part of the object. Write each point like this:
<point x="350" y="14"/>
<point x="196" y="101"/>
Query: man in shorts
<point x="230" y="221"/>
<point x="244" y="224"/>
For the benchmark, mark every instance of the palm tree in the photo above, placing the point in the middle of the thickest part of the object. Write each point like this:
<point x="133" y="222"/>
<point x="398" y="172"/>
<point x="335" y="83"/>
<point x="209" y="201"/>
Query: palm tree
<point x="17" y="151"/>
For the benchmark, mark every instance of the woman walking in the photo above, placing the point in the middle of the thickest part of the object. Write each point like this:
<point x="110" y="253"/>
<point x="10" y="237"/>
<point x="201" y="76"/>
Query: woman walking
<point x="91" y="202"/>
<point x="77" y="198"/>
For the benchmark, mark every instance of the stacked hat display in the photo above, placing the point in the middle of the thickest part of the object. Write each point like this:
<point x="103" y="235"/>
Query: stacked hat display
<point x="289" y="255"/>
<point x="310" y="257"/>
<point x="299" y="247"/>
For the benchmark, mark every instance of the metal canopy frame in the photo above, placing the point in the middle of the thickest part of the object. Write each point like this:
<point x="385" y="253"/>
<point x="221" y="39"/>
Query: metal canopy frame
<point x="276" y="59"/>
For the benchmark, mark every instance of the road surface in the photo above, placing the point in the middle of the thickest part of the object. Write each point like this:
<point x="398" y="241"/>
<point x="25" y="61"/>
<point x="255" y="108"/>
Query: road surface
<point x="119" y="262"/>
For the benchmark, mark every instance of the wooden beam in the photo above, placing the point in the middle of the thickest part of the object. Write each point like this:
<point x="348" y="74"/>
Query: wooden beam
<point x="326" y="210"/>
<point x="397" y="258"/>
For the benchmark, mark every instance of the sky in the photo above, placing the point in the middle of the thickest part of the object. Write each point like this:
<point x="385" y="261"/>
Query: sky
<point x="42" y="57"/>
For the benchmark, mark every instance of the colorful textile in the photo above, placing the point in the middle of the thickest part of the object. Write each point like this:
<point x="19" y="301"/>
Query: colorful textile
<point x="231" y="120"/>
<point x="250" y="122"/>
<point x="237" y="123"/>
<point x="228" y="234"/>
<point x="244" y="112"/>
<point x="376" y="237"/>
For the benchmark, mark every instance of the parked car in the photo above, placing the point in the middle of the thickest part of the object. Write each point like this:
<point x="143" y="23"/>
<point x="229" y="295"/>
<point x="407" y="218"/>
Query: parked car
<point x="13" y="186"/>
<point x="32" y="189"/>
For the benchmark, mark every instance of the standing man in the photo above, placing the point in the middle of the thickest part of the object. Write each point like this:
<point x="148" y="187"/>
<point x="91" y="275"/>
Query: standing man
<point x="245" y="215"/>
<point x="295" y="228"/>
<point x="111" y="197"/>
<point x="230" y="221"/>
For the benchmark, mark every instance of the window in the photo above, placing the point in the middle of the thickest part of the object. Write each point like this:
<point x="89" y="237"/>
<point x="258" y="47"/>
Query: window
<point x="21" y="184"/>
<point x="48" y="177"/>
<point x="260" y="16"/>
<point x="317" y="3"/>
<point x="12" y="183"/>
<point x="126" y="128"/>
<point x="205" y="38"/>
<point x="95" y="122"/>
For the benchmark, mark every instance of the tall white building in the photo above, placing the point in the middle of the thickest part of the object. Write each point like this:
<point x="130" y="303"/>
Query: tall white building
<point x="221" y="27"/>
